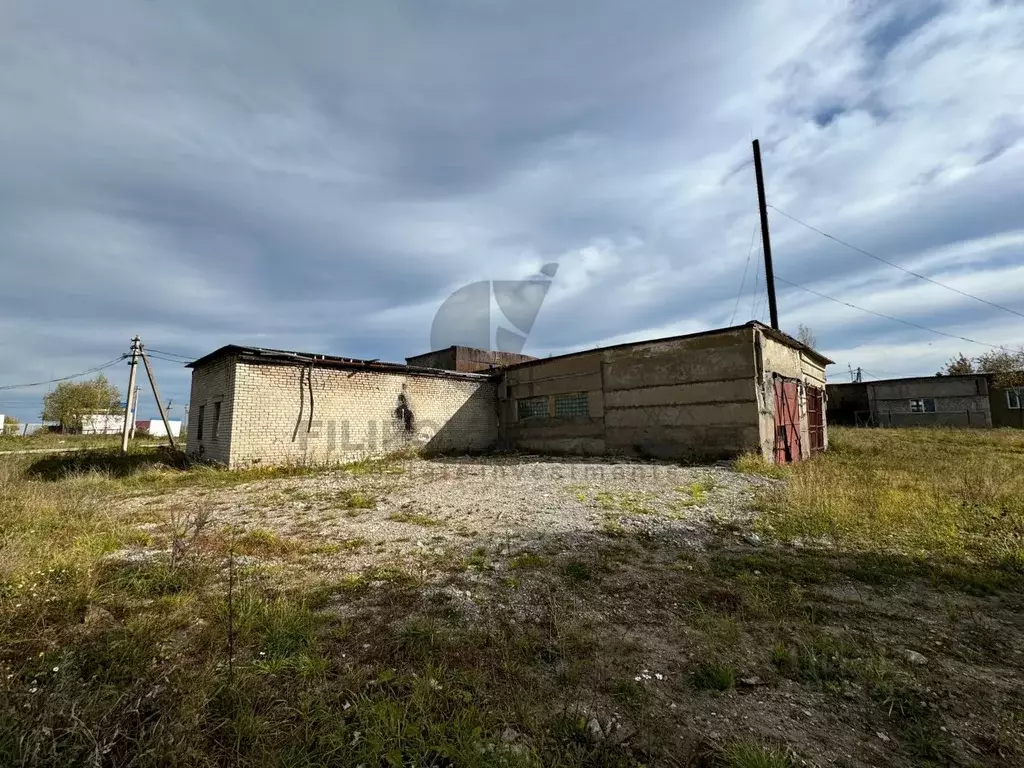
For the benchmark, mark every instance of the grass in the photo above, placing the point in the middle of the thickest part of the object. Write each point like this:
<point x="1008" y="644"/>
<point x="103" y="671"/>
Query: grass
<point x="747" y="755"/>
<point x="714" y="677"/>
<point x="113" y="653"/>
<point x="414" y="518"/>
<point x="919" y="492"/>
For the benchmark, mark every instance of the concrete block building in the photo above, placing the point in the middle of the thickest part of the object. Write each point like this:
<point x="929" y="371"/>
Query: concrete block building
<point x="951" y="401"/>
<point x="694" y="397"/>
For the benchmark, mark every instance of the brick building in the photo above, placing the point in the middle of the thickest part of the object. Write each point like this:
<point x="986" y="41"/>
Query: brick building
<point x="693" y="397"/>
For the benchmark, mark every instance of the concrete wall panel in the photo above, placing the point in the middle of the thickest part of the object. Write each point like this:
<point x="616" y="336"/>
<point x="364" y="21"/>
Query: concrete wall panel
<point x="684" y="394"/>
<point x="682" y="415"/>
<point x="557" y="386"/>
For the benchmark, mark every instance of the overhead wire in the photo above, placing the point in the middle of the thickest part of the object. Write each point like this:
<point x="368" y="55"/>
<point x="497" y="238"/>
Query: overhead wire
<point x="888" y="317"/>
<point x="746" y="267"/>
<point x="186" y="358"/>
<point x="893" y="264"/>
<point x="65" y="378"/>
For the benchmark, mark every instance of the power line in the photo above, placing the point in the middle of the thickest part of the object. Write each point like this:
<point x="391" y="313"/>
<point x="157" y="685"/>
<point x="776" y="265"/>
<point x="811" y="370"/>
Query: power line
<point x="887" y="317"/>
<point x="893" y="264"/>
<point x="151" y="356"/>
<point x="170" y="354"/>
<point x="743" y="282"/>
<point x="66" y="378"/>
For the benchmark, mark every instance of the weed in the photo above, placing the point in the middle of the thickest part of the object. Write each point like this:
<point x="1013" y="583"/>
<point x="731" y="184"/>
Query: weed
<point x="260" y="541"/>
<point x="349" y="499"/>
<point x="747" y="755"/>
<point x="630" y="503"/>
<point x="526" y="561"/>
<point x="414" y="518"/>
<point x="577" y="572"/>
<point x="755" y="464"/>
<point x="714" y="677"/>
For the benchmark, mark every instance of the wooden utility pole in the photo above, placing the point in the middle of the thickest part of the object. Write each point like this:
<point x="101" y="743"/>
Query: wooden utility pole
<point x="156" y="396"/>
<point x="136" y="346"/>
<point x="769" y="274"/>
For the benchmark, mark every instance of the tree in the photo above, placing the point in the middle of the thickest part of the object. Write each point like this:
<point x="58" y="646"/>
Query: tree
<point x="1005" y="366"/>
<point x="70" y="401"/>
<point x="806" y="336"/>
<point x="11" y="425"/>
<point x="958" y="366"/>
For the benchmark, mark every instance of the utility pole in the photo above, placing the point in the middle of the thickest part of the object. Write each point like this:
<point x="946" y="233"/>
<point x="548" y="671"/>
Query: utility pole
<point x="135" y="413"/>
<point x="136" y="347"/>
<point x="769" y="274"/>
<point x="156" y="396"/>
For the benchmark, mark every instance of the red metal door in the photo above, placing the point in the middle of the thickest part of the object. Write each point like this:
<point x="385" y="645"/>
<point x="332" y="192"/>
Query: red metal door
<point x="787" y="422"/>
<point x="815" y="419"/>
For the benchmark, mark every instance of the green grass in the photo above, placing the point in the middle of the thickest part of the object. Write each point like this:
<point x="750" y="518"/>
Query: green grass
<point x="714" y="677"/>
<point x="628" y="503"/>
<point x="747" y="755"/>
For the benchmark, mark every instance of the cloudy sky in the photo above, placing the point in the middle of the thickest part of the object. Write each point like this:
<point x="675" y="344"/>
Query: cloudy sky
<point x="321" y="176"/>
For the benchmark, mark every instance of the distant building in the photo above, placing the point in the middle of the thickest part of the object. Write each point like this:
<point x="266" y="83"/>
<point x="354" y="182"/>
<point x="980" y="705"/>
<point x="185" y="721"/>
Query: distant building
<point x="695" y="397"/>
<point x="467" y="359"/>
<point x="951" y="401"/>
<point x="102" y="424"/>
<point x="156" y="428"/>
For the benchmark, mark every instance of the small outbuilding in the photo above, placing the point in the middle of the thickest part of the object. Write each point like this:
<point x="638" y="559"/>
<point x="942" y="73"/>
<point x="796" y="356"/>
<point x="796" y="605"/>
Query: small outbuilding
<point x="695" y="397"/>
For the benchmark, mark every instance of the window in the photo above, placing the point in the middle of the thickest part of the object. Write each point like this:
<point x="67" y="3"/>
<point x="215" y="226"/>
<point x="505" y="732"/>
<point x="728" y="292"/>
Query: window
<point x="532" y="408"/>
<point x="922" y="405"/>
<point x="1015" y="398"/>
<point x="575" y="404"/>
<point x="216" y="419"/>
<point x="199" y="429"/>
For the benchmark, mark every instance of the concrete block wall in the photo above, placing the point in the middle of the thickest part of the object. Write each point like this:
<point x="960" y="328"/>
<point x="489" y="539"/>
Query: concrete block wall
<point x="354" y="414"/>
<point x="683" y="399"/>
<point x="960" y="401"/>
<point x="690" y="398"/>
<point x="212" y="383"/>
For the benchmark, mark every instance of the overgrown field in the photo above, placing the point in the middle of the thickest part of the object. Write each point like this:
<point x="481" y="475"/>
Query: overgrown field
<point x="864" y="609"/>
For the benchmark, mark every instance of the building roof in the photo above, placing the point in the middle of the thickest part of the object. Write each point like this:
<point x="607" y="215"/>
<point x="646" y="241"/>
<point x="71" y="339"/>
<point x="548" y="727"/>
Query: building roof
<point x="900" y="379"/>
<point x="289" y="357"/>
<point x="779" y="336"/>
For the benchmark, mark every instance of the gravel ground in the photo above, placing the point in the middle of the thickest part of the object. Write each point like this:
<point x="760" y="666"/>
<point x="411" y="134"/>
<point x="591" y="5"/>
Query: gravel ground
<point x="517" y="503"/>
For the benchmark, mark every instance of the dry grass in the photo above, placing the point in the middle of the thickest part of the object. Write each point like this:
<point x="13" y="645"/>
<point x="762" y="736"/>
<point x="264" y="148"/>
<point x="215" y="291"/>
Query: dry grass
<point x="926" y="492"/>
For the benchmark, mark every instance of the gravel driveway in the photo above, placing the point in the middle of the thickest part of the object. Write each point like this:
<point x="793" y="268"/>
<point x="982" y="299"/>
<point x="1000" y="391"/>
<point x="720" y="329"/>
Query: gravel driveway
<point x="516" y="503"/>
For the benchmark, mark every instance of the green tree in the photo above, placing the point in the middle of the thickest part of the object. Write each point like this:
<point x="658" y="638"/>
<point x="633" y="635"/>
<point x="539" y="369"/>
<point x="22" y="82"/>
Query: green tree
<point x="1005" y="366"/>
<point x="11" y="425"/>
<point x="70" y="401"/>
<point x="958" y="366"/>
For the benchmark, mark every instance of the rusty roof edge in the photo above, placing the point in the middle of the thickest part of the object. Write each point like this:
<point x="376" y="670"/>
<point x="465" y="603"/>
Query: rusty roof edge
<point x="288" y="357"/>
<point x="784" y="338"/>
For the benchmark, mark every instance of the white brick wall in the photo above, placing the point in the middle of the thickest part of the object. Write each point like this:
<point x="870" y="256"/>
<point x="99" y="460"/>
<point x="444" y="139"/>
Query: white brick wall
<point x="211" y="384"/>
<point x="266" y="413"/>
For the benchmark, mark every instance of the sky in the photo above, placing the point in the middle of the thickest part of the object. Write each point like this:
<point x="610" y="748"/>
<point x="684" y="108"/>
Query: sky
<point x="321" y="176"/>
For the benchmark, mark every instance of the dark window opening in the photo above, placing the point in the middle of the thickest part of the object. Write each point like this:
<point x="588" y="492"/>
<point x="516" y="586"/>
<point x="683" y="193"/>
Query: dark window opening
<point x="922" y="405"/>
<point x="199" y="429"/>
<point x="216" y="420"/>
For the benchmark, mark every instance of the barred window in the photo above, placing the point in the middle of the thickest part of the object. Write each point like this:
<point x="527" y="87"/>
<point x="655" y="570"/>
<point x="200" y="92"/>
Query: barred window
<point x="575" y="404"/>
<point x="532" y="408"/>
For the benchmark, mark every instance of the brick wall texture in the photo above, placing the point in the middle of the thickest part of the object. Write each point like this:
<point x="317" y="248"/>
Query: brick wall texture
<point x="271" y="418"/>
